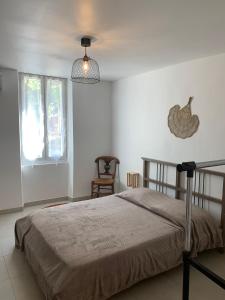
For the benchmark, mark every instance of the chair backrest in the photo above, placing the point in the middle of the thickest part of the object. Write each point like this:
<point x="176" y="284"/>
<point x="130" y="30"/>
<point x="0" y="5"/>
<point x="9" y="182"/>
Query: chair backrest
<point x="106" y="166"/>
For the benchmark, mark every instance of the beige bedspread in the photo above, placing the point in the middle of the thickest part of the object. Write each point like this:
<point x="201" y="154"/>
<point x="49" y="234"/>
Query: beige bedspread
<point x="93" y="249"/>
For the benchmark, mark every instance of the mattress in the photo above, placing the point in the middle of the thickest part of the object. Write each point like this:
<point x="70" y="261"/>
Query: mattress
<point x="93" y="249"/>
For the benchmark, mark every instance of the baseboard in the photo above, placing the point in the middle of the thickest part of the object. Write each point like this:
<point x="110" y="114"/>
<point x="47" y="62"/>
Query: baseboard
<point x="46" y="201"/>
<point x="10" y="210"/>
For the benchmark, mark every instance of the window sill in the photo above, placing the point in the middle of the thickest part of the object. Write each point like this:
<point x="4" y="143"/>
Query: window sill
<point x="44" y="163"/>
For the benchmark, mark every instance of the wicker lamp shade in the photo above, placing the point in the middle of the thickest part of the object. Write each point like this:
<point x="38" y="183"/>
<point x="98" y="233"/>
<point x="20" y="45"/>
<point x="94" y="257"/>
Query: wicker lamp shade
<point x="86" y="69"/>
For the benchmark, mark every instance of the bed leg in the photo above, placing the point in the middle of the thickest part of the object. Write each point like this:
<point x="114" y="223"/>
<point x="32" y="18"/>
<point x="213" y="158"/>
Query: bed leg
<point x="186" y="275"/>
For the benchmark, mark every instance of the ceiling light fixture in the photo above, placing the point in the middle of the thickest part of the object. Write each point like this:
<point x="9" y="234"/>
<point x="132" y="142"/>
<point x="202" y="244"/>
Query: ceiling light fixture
<point x="86" y="69"/>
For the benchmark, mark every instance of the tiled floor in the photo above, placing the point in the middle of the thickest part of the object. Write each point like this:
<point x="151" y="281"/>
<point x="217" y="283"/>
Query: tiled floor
<point x="17" y="281"/>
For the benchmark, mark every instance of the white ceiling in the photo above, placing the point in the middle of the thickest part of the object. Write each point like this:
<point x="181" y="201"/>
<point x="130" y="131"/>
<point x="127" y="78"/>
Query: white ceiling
<point x="133" y="36"/>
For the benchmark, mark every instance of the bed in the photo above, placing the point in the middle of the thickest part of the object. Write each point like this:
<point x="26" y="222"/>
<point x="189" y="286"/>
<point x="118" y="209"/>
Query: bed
<point x="93" y="249"/>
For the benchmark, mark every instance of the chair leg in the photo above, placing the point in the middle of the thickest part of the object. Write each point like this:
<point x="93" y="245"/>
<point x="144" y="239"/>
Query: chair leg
<point x="92" y="189"/>
<point x="93" y="192"/>
<point x="98" y="191"/>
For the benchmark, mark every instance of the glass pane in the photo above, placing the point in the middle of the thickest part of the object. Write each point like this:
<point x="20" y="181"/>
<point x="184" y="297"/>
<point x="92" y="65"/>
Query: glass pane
<point x="32" y="118"/>
<point x="55" y="118"/>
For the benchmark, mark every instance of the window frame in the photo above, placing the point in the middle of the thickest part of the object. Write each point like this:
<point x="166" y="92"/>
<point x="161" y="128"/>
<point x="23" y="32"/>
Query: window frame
<point x="45" y="159"/>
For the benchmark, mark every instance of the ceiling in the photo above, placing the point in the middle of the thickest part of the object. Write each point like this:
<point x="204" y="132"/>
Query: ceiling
<point x="132" y="36"/>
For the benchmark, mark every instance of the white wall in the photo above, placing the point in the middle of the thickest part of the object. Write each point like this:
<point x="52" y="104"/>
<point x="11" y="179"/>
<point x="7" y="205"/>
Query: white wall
<point x="92" y="132"/>
<point x="140" y="110"/>
<point x="10" y="173"/>
<point x="43" y="182"/>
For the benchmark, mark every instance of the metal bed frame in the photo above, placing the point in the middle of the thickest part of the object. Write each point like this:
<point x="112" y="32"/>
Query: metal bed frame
<point x="189" y="168"/>
<point x="195" y="194"/>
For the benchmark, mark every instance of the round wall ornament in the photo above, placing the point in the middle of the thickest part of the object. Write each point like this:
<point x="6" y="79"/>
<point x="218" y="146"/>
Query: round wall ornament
<point x="181" y="122"/>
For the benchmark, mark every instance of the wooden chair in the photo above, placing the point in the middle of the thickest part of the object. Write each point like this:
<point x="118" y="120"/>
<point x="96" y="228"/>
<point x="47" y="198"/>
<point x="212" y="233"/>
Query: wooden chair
<point x="104" y="184"/>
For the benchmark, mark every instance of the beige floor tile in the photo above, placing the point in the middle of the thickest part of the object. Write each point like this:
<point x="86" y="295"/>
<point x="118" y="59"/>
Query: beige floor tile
<point x="6" y="237"/>
<point x="7" y="230"/>
<point x="16" y="264"/>
<point x="214" y="261"/>
<point x="25" y="288"/>
<point x="7" y="244"/>
<point x="6" y="218"/>
<point x="31" y="209"/>
<point x="203" y="288"/>
<point x="7" y="223"/>
<point x="159" y="288"/>
<point x="125" y="295"/>
<point x="6" y="290"/>
<point x="11" y="218"/>
<point x="3" y="270"/>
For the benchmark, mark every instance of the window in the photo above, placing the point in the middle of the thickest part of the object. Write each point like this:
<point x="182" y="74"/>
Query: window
<point x="43" y="118"/>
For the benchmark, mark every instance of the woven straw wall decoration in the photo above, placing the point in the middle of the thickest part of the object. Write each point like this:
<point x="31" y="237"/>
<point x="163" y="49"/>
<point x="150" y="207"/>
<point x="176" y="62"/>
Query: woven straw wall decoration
<point x="181" y="122"/>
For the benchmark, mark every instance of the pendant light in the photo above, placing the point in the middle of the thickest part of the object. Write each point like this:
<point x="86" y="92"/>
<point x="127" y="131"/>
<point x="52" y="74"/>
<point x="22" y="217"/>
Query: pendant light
<point x="86" y="69"/>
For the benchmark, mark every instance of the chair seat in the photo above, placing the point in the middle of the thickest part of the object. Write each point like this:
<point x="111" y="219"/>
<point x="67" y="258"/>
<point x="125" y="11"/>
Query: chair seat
<point x="103" y="181"/>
